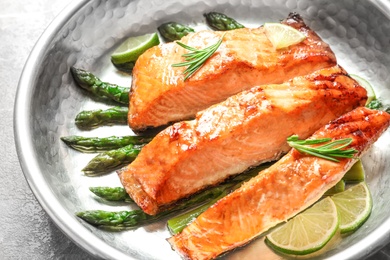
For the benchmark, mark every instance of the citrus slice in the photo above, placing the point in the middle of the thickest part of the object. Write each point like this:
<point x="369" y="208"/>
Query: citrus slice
<point x="308" y="231"/>
<point x="354" y="206"/>
<point x="356" y="173"/>
<point x="365" y="84"/>
<point x="127" y="53"/>
<point x="339" y="187"/>
<point x="281" y="35"/>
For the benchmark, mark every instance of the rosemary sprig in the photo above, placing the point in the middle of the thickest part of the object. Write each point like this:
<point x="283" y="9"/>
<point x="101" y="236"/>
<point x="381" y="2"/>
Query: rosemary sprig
<point x="329" y="151"/>
<point x="196" y="58"/>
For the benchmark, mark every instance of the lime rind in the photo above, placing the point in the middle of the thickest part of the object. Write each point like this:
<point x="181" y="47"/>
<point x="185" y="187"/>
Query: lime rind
<point x="365" y="84"/>
<point x="282" y="36"/>
<point x="133" y="47"/>
<point x="126" y="67"/>
<point x="354" y="206"/>
<point x="308" y="231"/>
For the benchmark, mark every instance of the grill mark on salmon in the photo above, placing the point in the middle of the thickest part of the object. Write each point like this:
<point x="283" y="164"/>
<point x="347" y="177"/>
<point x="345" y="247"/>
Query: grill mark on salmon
<point x="243" y="131"/>
<point x="279" y="192"/>
<point x="246" y="58"/>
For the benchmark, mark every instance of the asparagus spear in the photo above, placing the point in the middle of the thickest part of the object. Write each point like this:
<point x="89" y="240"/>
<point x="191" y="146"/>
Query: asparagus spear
<point x="115" y="220"/>
<point x="131" y="219"/>
<point x="222" y="22"/>
<point x="94" y="118"/>
<point x="104" y="90"/>
<point x="178" y="223"/>
<point x="102" y="144"/>
<point x="173" y="31"/>
<point x="120" y="220"/>
<point x="111" y="193"/>
<point x="113" y="159"/>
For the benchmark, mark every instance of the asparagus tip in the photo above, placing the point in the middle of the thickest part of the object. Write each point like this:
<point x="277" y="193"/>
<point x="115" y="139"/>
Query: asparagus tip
<point x="80" y="214"/>
<point x="66" y="139"/>
<point x="74" y="71"/>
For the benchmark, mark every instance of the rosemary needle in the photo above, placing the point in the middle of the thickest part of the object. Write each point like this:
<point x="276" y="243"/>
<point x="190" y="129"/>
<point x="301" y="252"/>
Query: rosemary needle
<point x="196" y="58"/>
<point x="329" y="151"/>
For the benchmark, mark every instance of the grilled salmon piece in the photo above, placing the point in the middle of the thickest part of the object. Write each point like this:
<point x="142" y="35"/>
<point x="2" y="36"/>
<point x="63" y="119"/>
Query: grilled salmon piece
<point x="243" y="131"/>
<point x="246" y="58"/>
<point x="279" y="192"/>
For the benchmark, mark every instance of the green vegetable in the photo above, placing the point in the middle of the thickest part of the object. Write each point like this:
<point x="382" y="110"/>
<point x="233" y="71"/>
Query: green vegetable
<point x="101" y="89"/>
<point x="178" y="223"/>
<point x="111" y="193"/>
<point x="173" y="31"/>
<point x="375" y="104"/>
<point x="222" y="22"/>
<point x="196" y="58"/>
<point x="329" y="151"/>
<point x="111" y="160"/>
<point x="97" y="144"/>
<point x="94" y="118"/>
<point x="120" y="220"/>
<point x="132" y="219"/>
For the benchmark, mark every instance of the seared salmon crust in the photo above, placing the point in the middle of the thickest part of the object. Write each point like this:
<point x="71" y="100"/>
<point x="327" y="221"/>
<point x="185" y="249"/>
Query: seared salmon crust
<point x="243" y="131"/>
<point x="246" y="58"/>
<point x="278" y="193"/>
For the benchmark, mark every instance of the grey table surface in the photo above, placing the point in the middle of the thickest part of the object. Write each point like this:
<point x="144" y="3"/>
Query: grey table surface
<point x="26" y="231"/>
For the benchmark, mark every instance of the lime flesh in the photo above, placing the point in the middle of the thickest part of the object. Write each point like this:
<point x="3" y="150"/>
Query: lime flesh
<point x="282" y="36"/>
<point x="354" y="206"/>
<point x="133" y="47"/>
<point x="308" y="231"/>
<point x="356" y="173"/>
<point x="339" y="187"/>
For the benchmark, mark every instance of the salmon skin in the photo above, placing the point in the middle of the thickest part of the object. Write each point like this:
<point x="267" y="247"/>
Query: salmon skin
<point x="243" y="131"/>
<point x="279" y="192"/>
<point x="246" y="58"/>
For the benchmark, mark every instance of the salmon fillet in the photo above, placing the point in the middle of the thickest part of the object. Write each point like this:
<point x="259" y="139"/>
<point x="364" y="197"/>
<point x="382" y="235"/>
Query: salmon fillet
<point x="243" y="131"/>
<point x="279" y="192"/>
<point x="246" y="58"/>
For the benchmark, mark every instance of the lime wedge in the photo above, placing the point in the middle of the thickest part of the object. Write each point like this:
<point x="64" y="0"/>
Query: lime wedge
<point x="127" y="53"/>
<point x="308" y="231"/>
<point x="365" y="84"/>
<point x="339" y="187"/>
<point x="356" y="173"/>
<point x="282" y="36"/>
<point x="354" y="206"/>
